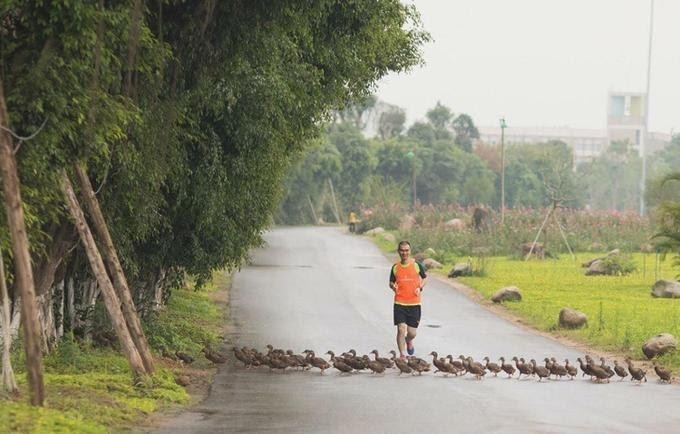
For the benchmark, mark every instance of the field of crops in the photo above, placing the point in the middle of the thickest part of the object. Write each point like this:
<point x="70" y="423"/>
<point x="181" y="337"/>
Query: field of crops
<point x="621" y="312"/>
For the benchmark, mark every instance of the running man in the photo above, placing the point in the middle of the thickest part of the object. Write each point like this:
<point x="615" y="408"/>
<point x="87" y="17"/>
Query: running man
<point x="407" y="280"/>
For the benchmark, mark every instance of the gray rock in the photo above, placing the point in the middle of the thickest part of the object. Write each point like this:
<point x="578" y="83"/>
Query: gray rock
<point x="666" y="289"/>
<point x="430" y="263"/>
<point x="455" y="224"/>
<point x="460" y="269"/>
<point x="388" y="237"/>
<point x="596" y="268"/>
<point x="375" y="231"/>
<point x="572" y="318"/>
<point x="509" y="293"/>
<point x="659" y="344"/>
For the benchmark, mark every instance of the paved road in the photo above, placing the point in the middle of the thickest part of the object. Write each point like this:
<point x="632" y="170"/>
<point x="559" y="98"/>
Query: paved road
<point x="323" y="289"/>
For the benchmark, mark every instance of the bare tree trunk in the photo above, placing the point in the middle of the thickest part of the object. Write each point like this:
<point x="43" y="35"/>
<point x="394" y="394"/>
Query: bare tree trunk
<point x="71" y="303"/>
<point x="158" y="290"/>
<point x="111" y="300"/>
<point x="62" y="241"/>
<point x="115" y="269"/>
<point x="8" y="380"/>
<point x="48" y="328"/>
<point x="90" y="293"/>
<point x="62" y="295"/>
<point x="23" y="274"/>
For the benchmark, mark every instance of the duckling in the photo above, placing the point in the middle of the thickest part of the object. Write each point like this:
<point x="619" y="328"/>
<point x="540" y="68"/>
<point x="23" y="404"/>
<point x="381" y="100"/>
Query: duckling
<point x="571" y="370"/>
<point x="357" y="363"/>
<point x="598" y="372"/>
<point x="465" y="363"/>
<point x="274" y="351"/>
<point x="297" y="360"/>
<point x="456" y="366"/>
<point x="402" y="365"/>
<point x="528" y="365"/>
<point x="507" y="367"/>
<point x="385" y="361"/>
<point x="620" y="370"/>
<point x="541" y="371"/>
<point x="492" y="367"/>
<point x="637" y="374"/>
<point x="663" y="373"/>
<point x="214" y="356"/>
<point x="317" y="362"/>
<point x="241" y="356"/>
<point x="339" y="364"/>
<point x="184" y="357"/>
<point x="522" y="368"/>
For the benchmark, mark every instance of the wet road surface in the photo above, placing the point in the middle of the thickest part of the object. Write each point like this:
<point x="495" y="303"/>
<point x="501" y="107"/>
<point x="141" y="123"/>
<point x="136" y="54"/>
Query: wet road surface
<point x="323" y="289"/>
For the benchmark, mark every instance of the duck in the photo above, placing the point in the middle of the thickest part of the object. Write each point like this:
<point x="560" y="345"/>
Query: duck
<point x="184" y="357"/>
<point x="556" y="369"/>
<point x="637" y="374"/>
<point x="571" y="370"/>
<point x="339" y="363"/>
<point x="522" y="368"/>
<point x="620" y="370"/>
<point x="242" y="357"/>
<point x="606" y="368"/>
<point x="418" y="365"/>
<point x="541" y="371"/>
<point x="403" y="366"/>
<point x="317" y="362"/>
<point x="598" y="372"/>
<point x="214" y="356"/>
<point x="274" y="351"/>
<point x="384" y="360"/>
<point x="440" y="364"/>
<point x="297" y="360"/>
<point x="663" y="373"/>
<point x="585" y="368"/>
<point x="507" y="367"/>
<point x="275" y="361"/>
<point x="476" y="369"/>
<point x="357" y="363"/>
<point x="456" y="365"/>
<point x="375" y="366"/>
<point x="492" y="367"/>
<point x="528" y="365"/>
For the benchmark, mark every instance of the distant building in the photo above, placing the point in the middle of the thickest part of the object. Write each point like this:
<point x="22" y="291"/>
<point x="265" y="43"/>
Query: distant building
<point x="625" y="120"/>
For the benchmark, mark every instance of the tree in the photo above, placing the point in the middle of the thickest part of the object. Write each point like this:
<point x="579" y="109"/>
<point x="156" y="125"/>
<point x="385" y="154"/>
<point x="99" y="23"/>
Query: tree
<point x="668" y="237"/>
<point x="439" y="116"/>
<point x="465" y="130"/>
<point x="391" y="122"/>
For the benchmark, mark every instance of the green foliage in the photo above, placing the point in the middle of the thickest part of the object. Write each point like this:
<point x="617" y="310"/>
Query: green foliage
<point x="618" y="265"/>
<point x="623" y="313"/>
<point x="668" y="238"/>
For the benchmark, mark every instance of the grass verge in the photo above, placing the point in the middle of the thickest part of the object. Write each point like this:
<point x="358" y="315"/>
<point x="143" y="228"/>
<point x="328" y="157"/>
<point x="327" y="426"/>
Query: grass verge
<point x="90" y="390"/>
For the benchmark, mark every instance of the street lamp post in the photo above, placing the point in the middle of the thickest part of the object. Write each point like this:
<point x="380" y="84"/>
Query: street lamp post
<point x="411" y="156"/>
<point x="644" y="135"/>
<point x="503" y="126"/>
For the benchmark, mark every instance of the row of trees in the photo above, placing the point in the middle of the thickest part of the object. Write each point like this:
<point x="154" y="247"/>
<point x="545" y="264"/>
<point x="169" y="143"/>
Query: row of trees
<point x="178" y="121"/>
<point x="437" y="159"/>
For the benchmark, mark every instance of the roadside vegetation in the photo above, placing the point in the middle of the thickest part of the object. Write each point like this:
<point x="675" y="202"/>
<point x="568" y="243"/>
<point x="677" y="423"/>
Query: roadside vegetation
<point x="88" y="386"/>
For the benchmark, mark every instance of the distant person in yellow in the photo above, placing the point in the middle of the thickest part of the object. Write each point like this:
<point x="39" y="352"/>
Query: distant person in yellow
<point x="352" y="222"/>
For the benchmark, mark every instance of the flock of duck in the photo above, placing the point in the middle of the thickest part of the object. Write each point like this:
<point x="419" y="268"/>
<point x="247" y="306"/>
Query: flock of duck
<point x="349" y="362"/>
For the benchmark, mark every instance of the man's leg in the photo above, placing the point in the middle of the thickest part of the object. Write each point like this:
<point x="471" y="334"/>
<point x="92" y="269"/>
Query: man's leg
<point x="410" y="336"/>
<point x="401" y="337"/>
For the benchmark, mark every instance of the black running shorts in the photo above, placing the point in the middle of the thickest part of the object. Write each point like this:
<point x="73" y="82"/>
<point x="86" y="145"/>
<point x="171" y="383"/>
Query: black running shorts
<point x="407" y="314"/>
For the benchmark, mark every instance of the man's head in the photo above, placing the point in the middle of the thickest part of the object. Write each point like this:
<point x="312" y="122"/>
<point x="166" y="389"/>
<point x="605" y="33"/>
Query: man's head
<point x="404" y="250"/>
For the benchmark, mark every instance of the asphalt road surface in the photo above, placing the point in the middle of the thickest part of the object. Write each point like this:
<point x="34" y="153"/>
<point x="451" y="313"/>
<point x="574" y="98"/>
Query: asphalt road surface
<point x="323" y="289"/>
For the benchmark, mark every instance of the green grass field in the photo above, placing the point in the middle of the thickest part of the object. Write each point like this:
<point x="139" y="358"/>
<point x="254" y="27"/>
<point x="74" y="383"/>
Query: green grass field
<point x="621" y="312"/>
<point x="90" y="390"/>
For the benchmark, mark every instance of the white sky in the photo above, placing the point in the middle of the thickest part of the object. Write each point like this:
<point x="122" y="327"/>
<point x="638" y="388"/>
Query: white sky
<point x="542" y="62"/>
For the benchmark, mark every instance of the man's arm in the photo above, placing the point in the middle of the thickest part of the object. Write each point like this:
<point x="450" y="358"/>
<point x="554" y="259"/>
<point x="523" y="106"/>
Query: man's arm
<point x="423" y="275"/>
<point x="393" y="280"/>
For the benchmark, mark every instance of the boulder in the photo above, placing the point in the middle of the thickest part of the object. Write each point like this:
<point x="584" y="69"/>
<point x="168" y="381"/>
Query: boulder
<point x="429" y="252"/>
<point x="455" y="225"/>
<point x="388" y="237"/>
<point x="666" y="289"/>
<point x="659" y="344"/>
<point x="407" y="222"/>
<point x="596" y="268"/>
<point x="587" y="264"/>
<point x="375" y="231"/>
<point x="461" y="269"/>
<point x="183" y="380"/>
<point x="572" y="318"/>
<point x="509" y="293"/>
<point x="430" y="263"/>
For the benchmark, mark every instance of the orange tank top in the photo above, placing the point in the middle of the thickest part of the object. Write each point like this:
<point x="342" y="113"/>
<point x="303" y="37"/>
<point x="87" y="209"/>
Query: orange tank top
<point x="408" y="280"/>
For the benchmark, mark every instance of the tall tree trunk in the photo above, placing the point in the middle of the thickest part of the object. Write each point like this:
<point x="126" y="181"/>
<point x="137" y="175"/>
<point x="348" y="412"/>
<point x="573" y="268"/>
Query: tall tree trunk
<point x="8" y="380"/>
<point x="111" y="300"/>
<point x="22" y="260"/>
<point x="115" y="269"/>
<point x="62" y="241"/>
<point x="71" y="303"/>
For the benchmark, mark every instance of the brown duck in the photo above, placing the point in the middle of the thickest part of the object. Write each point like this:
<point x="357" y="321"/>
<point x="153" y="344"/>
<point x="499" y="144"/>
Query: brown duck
<point x="317" y="362"/>
<point x="663" y="373"/>
<point x="585" y="368"/>
<point x="620" y="370"/>
<point x="637" y="374"/>
<point x="492" y="367"/>
<point x="507" y="367"/>
<point x="522" y="368"/>
<point x="571" y="370"/>
<point x="184" y="357"/>
<point x="402" y="365"/>
<point x="214" y="356"/>
<point x="339" y="364"/>
<point x="384" y="360"/>
<point x="476" y="369"/>
<point x="541" y="371"/>
<point x="418" y="365"/>
<point x="556" y="369"/>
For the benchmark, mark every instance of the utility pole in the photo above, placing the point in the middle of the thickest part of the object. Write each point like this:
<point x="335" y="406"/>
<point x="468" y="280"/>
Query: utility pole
<point x="503" y="126"/>
<point x="643" y="136"/>
<point x="411" y="156"/>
